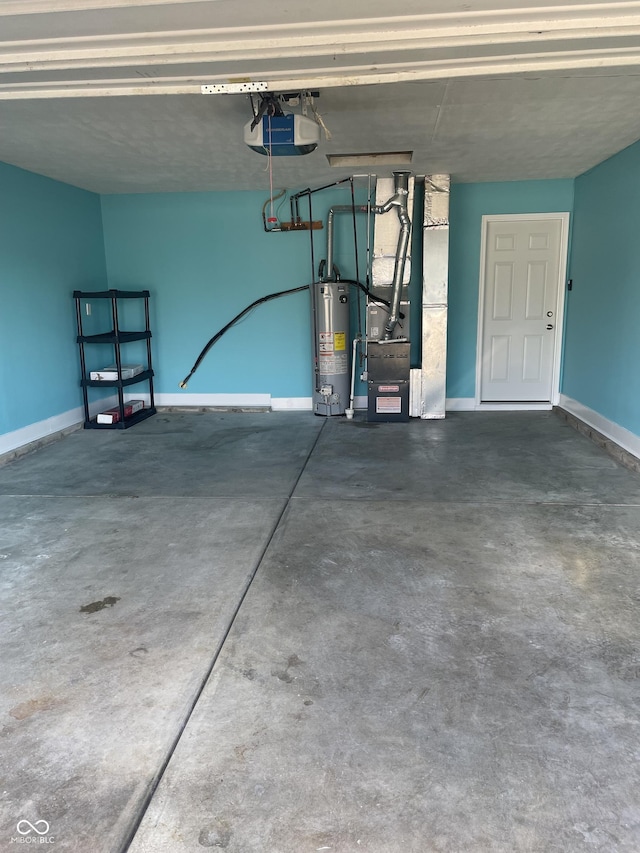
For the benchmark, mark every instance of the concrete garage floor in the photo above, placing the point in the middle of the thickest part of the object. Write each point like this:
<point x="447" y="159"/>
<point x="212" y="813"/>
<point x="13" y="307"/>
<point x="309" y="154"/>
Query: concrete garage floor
<point x="273" y="632"/>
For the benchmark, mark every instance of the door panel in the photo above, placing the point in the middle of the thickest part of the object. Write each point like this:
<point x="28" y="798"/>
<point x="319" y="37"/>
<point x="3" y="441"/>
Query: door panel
<point x="500" y="346"/>
<point x="522" y="268"/>
<point x="532" y="362"/>
<point x="503" y="292"/>
<point x="537" y="276"/>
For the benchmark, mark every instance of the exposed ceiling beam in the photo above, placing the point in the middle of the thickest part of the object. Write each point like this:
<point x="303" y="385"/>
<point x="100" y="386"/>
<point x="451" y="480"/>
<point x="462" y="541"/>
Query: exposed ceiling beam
<point x="296" y="55"/>
<point x="323" y="79"/>
<point x="174" y="49"/>
<point x="39" y="7"/>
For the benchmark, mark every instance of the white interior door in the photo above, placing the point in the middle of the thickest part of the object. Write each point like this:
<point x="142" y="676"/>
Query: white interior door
<point x="522" y="269"/>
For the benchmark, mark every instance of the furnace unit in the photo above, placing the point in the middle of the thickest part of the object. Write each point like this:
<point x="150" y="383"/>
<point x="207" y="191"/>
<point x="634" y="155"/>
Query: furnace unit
<point x="388" y="380"/>
<point x="388" y="347"/>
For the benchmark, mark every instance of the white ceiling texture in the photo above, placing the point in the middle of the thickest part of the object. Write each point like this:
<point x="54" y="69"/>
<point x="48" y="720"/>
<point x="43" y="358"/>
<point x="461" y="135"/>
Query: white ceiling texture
<point x="106" y="94"/>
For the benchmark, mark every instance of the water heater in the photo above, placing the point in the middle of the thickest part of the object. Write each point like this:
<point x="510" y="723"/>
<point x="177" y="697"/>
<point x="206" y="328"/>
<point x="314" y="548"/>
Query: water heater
<point x="330" y="321"/>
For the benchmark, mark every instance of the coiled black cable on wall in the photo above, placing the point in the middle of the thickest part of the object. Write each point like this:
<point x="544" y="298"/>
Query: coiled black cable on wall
<point x="263" y="299"/>
<point x="231" y="323"/>
<point x="351" y="282"/>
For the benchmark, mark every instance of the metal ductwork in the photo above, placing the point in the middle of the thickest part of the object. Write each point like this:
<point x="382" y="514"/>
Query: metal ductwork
<point x="327" y="270"/>
<point x="398" y="200"/>
<point x="435" y="276"/>
<point x="388" y="347"/>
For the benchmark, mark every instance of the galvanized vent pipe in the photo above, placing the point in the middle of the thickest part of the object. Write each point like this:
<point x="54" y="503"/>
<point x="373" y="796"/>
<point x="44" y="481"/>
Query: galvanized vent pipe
<point x="338" y="208"/>
<point x="398" y="200"/>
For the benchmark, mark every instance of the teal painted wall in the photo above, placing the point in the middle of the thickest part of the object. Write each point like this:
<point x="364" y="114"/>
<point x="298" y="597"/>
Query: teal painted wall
<point x="205" y="257"/>
<point x="50" y="244"/>
<point x="602" y="341"/>
<point x="469" y="203"/>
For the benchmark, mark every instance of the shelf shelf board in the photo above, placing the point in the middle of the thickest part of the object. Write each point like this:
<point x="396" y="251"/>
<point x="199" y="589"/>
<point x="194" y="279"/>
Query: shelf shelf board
<point x="117" y="383"/>
<point x="110" y="294"/>
<point x="142" y="415"/>
<point x="113" y="338"/>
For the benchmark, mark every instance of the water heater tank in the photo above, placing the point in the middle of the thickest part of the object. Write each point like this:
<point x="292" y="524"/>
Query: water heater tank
<point x="283" y="136"/>
<point x="330" y="322"/>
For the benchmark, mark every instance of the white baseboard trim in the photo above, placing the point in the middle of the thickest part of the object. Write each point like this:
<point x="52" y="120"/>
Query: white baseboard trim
<point x="460" y="404"/>
<point x="197" y="401"/>
<point x="249" y="401"/>
<point x="305" y="404"/>
<point x="291" y="404"/>
<point x="41" y="429"/>
<point x="623" y="437"/>
<point x="513" y="407"/>
<point x="35" y="432"/>
<point x="468" y="404"/>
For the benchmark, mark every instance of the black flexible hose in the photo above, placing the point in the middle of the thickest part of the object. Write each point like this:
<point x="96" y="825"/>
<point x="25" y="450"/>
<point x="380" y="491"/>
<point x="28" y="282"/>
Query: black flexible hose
<point x="231" y="323"/>
<point x="261" y="301"/>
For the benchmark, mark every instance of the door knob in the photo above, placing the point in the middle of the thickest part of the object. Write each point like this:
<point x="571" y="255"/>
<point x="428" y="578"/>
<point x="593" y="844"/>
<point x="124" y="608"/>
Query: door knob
<point x="549" y="326"/>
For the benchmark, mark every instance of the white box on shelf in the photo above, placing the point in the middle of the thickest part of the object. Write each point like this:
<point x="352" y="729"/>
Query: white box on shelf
<point x="108" y="374"/>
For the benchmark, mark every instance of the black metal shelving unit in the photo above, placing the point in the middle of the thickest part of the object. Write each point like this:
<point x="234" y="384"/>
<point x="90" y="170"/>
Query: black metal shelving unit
<point x="116" y="337"/>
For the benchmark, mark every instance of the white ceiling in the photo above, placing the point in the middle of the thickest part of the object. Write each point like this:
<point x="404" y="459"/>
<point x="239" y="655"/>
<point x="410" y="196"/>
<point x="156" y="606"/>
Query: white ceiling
<point x="106" y="94"/>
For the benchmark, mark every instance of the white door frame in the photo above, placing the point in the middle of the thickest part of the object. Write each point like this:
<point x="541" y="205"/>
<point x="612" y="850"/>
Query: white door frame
<point x="559" y="313"/>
